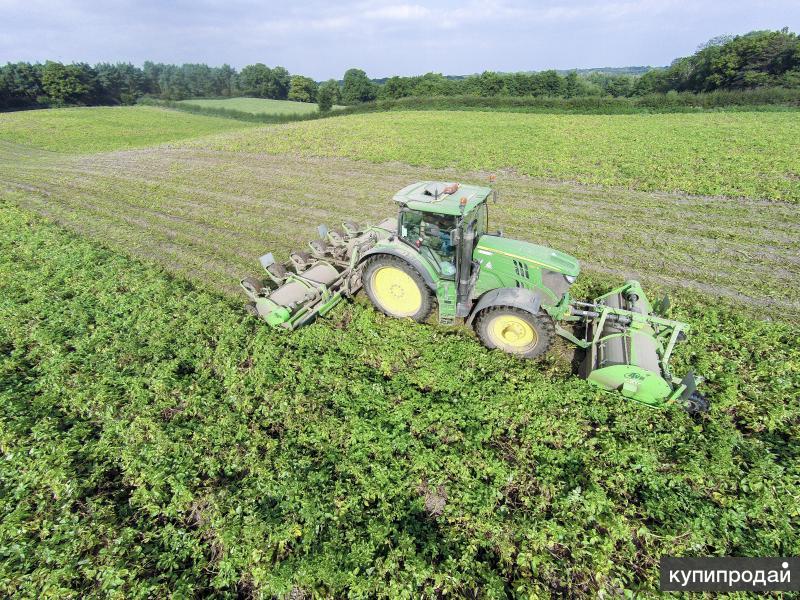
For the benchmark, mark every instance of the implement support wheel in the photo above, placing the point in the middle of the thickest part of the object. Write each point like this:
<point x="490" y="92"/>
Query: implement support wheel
<point x="515" y="331"/>
<point x="396" y="288"/>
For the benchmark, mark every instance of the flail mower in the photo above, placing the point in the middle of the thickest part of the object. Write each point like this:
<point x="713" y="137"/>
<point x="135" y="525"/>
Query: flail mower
<point x="514" y="294"/>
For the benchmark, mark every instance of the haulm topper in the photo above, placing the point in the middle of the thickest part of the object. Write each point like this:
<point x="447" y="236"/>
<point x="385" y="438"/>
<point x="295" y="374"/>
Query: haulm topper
<point x="514" y="294"/>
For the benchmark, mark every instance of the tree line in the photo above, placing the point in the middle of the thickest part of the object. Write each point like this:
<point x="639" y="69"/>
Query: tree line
<point x="55" y="84"/>
<point x="754" y="60"/>
<point x="26" y="85"/>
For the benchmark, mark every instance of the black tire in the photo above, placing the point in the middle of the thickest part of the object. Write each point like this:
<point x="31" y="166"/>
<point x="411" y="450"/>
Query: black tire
<point x="696" y="404"/>
<point x="541" y="323"/>
<point x="380" y="262"/>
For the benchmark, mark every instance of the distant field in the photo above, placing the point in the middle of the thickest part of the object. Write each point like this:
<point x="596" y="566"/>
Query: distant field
<point x="257" y="105"/>
<point x="755" y="155"/>
<point x="97" y="129"/>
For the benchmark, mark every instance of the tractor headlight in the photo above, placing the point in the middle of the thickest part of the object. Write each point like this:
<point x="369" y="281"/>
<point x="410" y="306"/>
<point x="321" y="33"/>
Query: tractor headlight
<point x="570" y="278"/>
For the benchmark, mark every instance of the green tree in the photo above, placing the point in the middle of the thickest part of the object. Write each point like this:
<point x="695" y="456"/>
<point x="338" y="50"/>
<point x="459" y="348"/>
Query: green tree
<point x="619" y="85"/>
<point x="173" y="83"/>
<point x="328" y="95"/>
<point x="396" y="87"/>
<point x="152" y="73"/>
<point x="572" y="85"/>
<point x="517" y="84"/>
<point x="22" y="83"/>
<point x="302" y="89"/>
<point x="225" y="80"/>
<point x="552" y="83"/>
<point x="490" y="83"/>
<point x="357" y="87"/>
<point x="758" y="58"/>
<point x="652" y="82"/>
<point x="278" y="84"/>
<point x="5" y="93"/>
<point x="431" y="84"/>
<point x="67" y="84"/>
<point x="120" y="83"/>
<point x="254" y="80"/>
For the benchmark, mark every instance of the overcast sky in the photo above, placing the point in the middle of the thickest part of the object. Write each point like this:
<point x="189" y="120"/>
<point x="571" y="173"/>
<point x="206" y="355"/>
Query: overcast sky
<point x="322" y="39"/>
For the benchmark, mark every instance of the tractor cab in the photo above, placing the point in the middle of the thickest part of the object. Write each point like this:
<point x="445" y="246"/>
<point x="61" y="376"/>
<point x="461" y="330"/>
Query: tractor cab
<point x="431" y="218"/>
<point x="446" y="224"/>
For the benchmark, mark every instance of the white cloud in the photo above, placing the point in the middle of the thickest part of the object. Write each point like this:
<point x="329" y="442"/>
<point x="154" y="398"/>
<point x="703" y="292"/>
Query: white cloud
<point x="398" y="12"/>
<point x="329" y="23"/>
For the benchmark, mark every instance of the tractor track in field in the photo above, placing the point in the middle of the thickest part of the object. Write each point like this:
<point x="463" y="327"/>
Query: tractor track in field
<point x="209" y="214"/>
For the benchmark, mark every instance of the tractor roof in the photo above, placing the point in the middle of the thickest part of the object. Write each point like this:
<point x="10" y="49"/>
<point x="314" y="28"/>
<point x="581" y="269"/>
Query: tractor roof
<point x="441" y="197"/>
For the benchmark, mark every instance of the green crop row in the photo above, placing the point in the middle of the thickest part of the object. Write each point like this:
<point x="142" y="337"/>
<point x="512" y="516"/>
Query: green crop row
<point x="156" y="442"/>
<point x="732" y="154"/>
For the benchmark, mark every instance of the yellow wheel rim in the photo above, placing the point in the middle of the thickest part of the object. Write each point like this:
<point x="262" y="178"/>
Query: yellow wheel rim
<point x="512" y="333"/>
<point x="396" y="292"/>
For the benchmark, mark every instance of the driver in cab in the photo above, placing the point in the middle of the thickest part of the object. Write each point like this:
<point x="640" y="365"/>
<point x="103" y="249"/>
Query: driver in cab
<point x="435" y="235"/>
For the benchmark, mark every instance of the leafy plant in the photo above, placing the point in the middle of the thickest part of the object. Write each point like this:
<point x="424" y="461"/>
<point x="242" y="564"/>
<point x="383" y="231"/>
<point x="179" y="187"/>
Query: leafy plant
<point x="156" y="442"/>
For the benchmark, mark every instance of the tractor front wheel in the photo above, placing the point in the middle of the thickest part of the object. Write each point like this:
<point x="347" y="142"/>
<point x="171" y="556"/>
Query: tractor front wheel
<point x="515" y="331"/>
<point x="397" y="289"/>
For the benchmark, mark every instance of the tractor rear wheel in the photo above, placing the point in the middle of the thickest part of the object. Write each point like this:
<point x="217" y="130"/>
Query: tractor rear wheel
<point x="515" y="331"/>
<point x="397" y="289"/>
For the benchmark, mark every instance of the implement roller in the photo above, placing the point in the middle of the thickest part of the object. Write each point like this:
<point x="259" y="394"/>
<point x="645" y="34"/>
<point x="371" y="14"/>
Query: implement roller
<point x="514" y="294"/>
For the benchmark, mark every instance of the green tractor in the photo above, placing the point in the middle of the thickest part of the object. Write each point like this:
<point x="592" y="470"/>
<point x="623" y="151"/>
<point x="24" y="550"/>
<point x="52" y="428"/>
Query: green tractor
<point x="514" y="294"/>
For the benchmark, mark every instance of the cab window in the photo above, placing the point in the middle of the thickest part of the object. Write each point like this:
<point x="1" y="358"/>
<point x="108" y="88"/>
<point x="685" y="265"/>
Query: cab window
<point x="430" y="234"/>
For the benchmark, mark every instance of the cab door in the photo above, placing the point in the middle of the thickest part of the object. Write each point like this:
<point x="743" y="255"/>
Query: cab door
<point x="471" y="228"/>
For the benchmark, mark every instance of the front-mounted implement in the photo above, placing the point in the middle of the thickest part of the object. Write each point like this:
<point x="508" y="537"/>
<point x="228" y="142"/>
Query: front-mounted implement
<point x="515" y="295"/>
<point x="628" y="348"/>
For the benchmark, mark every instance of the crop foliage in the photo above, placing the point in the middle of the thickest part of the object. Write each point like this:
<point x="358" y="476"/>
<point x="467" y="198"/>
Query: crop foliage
<point x="156" y="442"/>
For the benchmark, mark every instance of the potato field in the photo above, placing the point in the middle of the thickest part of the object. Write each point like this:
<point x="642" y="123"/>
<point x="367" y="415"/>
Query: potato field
<point x="157" y="441"/>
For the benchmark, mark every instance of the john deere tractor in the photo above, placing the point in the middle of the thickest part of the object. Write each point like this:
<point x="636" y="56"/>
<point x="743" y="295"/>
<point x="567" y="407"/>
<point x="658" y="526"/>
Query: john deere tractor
<point x="514" y="294"/>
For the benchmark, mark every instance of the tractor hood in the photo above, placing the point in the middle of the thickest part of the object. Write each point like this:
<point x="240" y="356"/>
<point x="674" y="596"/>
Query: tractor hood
<point x="532" y="253"/>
